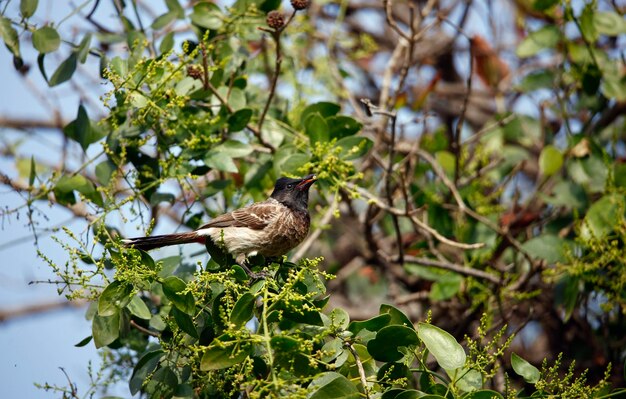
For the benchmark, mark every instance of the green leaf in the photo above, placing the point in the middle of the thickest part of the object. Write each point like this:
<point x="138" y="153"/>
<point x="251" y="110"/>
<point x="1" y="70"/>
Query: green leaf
<point x="42" y="68"/>
<point x="46" y="39"/>
<point x="324" y="109"/>
<point x="218" y="255"/>
<point x="172" y="288"/>
<point x="243" y="310"/>
<point x="114" y="297"/>
<point x="609" y="23"/>
<point x="224" y="354"/>
<point x="591" y="79"/>
<point x="284" y="343"/>
<point x="339" y="318"/>
<point x="590" y="172"/>
<point x="105" y="329"/>
<point x="84" y="341"/>
<point x="316" y="128"/>
<point x="162" y="382"/>
<point x="397" y="317"/>
<point x="341" y="126"/>
<point x="138" y="100"/>
<point x="569" y="194"/>
<point x="550" y="160"/>
<point x="542" y="5"/>
<point x="157" y="323"/>
<point x="239" y="120"/>
<point x="447" y="160"/>
<point x="167" y="43"/>
<point x="550" y="247"/>
<point x="389" y="372"/>
<point x="468" y="380"/>
<point x="354" y="147"/>
<point x="65" y="186"/>
<point x="448" y="353"/>
<point x="602" y="217"/>
<point x="445" y="288"/>
<point x="174" y="5"/>
<point x="184" y="391"/>
<point x="83" y="48"/>
<point x="234" y="148"/>
<point x="220" y="161"/>
<point x="304" y="312"/>
<point x="104" y="171"/>
<point x="28" y="8"/>
<point x="544" y="38"/>
<point x="619" y="171"/>
<point x="374" y="324"/>
<point x="119" y="66"/>
<point x="614" y="87"/>
<point x="543" y="79"/>
<point x="332" y="385"/>
<point x="163" y="20"/>
<point x="64" y="71"/>
<point x="184" y="322"/>
<point x="9" y="35"/>
<point x="483" y="394"/>
<point x="587" y="27"/>
<point x="524" y="369"/>
<point x="33" y="171"/>
<point x="274" y="133"/>
<point x="207" y="15"/>
<point x="156" y="198"/>
<point x="82" y="130"/>
<point x="415" y="394"/>
<point x="292" y="164"/>
<point x="386" y="346"/>
<point x="145" y="367"/>
<point x="137" y="307"/>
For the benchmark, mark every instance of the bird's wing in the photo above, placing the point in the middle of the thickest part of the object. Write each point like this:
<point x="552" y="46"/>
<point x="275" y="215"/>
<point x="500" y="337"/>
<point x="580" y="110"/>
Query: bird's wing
<point x="255" y="216"/>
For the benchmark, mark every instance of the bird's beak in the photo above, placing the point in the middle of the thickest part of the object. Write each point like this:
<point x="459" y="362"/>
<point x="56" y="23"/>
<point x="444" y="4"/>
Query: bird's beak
<point x="306" y="182"/>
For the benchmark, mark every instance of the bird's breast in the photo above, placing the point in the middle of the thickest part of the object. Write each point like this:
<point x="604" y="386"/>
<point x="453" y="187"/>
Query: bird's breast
<point x="286" y="232"/>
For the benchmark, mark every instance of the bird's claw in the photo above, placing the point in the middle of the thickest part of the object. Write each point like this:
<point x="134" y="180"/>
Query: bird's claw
<point x="254" y="276"/>
<point x="260" y="275"/>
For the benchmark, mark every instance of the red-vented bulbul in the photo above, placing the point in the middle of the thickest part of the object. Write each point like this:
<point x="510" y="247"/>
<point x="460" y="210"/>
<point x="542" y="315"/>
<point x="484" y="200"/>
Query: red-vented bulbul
<point x="270" y="228"/>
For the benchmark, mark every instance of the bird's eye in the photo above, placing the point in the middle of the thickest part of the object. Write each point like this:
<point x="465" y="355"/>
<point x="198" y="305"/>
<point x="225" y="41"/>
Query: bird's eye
<point x="289" y="185"/>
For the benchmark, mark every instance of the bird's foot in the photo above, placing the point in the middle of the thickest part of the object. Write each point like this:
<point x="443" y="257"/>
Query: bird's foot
<point x="254" y="276"/>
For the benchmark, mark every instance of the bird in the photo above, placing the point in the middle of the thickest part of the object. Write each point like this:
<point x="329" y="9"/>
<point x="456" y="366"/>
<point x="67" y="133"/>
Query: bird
<point x="270" y="228"/>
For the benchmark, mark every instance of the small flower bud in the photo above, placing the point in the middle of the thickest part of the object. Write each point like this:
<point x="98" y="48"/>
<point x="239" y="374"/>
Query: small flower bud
<point x="275" y="19"/>
<point x="300" y="4"/>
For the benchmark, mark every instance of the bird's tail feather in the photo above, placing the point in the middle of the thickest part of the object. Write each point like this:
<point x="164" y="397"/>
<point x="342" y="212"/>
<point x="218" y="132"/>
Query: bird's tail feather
<point x="148" y="243"/>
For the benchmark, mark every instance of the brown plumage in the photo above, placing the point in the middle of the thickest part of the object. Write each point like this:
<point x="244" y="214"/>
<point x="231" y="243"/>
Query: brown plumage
<point x="270" y="228"/>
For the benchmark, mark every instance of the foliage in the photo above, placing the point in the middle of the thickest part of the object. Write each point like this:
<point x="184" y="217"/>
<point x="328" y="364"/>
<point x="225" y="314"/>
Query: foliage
<point x="491" y="189"/>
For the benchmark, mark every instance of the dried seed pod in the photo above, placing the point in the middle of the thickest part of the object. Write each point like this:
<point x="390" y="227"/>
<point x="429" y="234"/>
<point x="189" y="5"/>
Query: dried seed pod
<point x="275" y="19"/>
<point x="300" y="4"/>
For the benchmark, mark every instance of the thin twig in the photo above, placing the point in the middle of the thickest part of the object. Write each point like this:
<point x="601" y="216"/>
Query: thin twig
<point x="391" y="22"/>
<point x="277" y="64"/>
<point x="422" y="225"/>
<point x="359" y="366"/>
<point x="444" y="178"/>
<point x="466" y="271"/>
<point x="28" y="310"/>
<point x="144" y="330"/>
<point x="373" y="110"/>
<point x="73" y="389"/>
<point x="413" y="296"/>
<point x="456" y="147"/>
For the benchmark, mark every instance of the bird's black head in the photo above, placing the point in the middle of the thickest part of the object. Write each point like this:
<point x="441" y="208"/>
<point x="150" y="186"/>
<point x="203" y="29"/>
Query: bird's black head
<point x="293" y="193"/>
